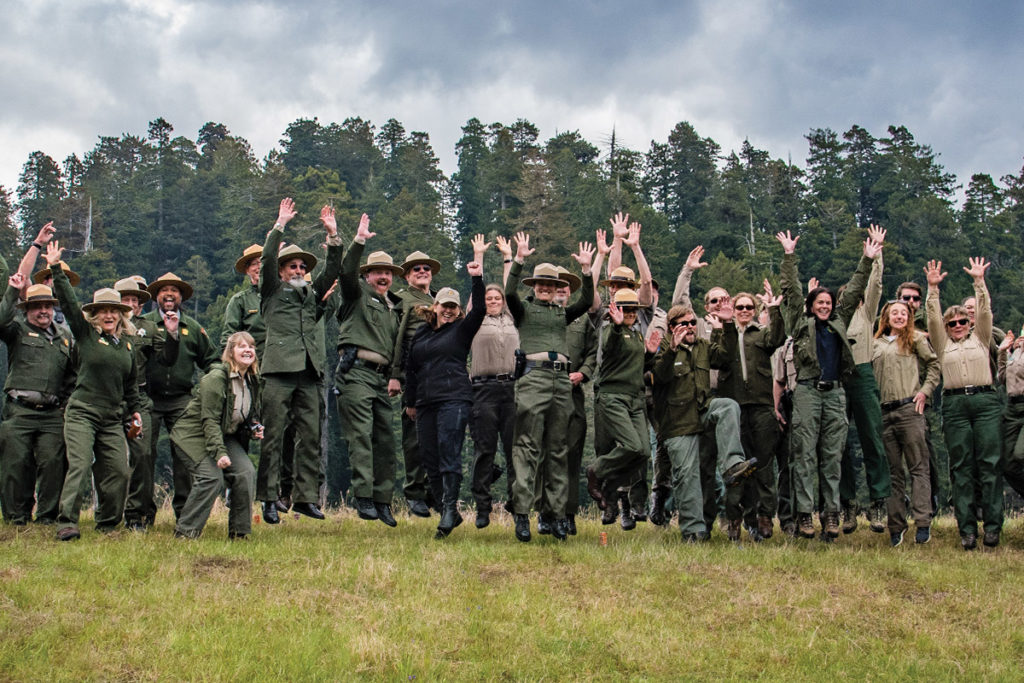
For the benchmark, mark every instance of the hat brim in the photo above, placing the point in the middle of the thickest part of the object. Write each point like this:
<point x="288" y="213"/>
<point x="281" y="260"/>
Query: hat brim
<point x="183" y="287"/>
<point x="574" y="282"/>
<point x="38" y="300"/>
<point x="141" y="293"/>
<point x="364" y="269"/>
<point x="242" y="264"/>
<point x="39" y="277"/>
<point x="303" y="256"/>
<point x="557" y="282"/>
<point x="618" y="281"/>
<point x="92" y="306"/>
<point x="435" y="266"/>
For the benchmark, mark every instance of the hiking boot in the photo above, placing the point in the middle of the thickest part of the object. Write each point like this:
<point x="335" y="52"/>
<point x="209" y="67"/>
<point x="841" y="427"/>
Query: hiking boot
<point x="658" y="516"/>
<point x="366" y="509"/>
<point x="733" y="528"/>
<point x="969" y="541"/>
<point x="523" y="528"/>
<point x="482" y="519"/>
<point x="543" y="525"/>
<point x="594" y="488"/>
<point x="764" y="526"/>
<point x="805" y="526"/>
<point x="628" y="522"/>
<point x="877" y="516"/>
<point x="609" y="515"/>
<point x="560" y="529"/>
<point x="850" y="511"/>
<point x="789" y="528"/>
<point x="570" y="524"/>
<point x="831" y="524"/>
<point x="735" y="475"/>
<point x="923" y="535"/>
<point x="896" y="538"/>
<point x="991" y="539"/>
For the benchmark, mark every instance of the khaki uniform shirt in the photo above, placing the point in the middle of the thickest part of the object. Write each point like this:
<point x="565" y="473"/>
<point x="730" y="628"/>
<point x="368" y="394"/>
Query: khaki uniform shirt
<point x="898" y="374"/>
<point x="964" y="363"/>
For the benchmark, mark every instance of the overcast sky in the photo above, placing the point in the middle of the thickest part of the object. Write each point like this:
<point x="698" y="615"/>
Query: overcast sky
<point x="768" y="71"/>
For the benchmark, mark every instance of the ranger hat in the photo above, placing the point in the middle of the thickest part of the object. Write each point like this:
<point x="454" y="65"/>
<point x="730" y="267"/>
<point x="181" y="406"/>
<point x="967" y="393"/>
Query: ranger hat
<point x="293" y="251"/>
<point x="40" y="275"/>
<point x="130" y="286"/>
<point x="106" y="297"/>
<point x="447" y="295"/>
<point x="171" y="280"/>
<point x="252" y="251"/>
<point x="37" y="294"/>
<point x="417" y="258"/>
<point x="621" y="276"/>
<point x="574" y="280"/>
<point x="626" y="297"/>
<point x="546" y="274"/>
<point x="380" y="260"/>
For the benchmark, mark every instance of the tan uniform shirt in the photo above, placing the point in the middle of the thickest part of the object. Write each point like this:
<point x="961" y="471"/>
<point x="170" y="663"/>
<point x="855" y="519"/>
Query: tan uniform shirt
<point x="1011" y="371"/>
<point x="898" y="373"/>
<point x="964" y="363"/>
<point x="494" y="346"/>
<point x="861" y="328"/>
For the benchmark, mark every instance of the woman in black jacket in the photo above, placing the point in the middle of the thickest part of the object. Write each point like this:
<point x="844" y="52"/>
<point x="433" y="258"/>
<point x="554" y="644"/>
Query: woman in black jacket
<point x="439" y="393"/>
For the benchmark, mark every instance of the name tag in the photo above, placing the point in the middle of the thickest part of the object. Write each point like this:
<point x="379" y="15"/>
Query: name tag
<point x="33" y="334"/>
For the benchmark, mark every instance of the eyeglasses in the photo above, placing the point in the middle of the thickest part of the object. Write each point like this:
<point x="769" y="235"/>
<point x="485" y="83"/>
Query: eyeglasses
<point x="685" y="323"/>
<point x="297" y="266"/>
<point x="419" y="269"/>
<point x="959" y="322"/>
<point x="911" y="297"/>
<point x="744" y="307"/>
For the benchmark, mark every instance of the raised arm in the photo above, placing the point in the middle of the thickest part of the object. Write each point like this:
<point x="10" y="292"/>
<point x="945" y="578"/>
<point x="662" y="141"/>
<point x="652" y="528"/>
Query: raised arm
<point x="505" y="249"/>
<point x="873" y="291"/>
<point x="65" y="294"/>
<point x="332" y="267"/>
<point x="644" y="293"/>
<point x="515" y="305"/>
<point x="681" y="294"/>
<point x="584" y="257"/>
<point x="270" y="280"/>
<point x="983" y="305"/>
<point x="348" y="281"/>
<point x="936" y="328"/>
<point x="792" y="294"/>
<point x="847" y="304"/>
<point x="7" y="307"/>
<point x="36" y="249"/>
<point x="620" y="231"/>
<point x="478" y="309"/>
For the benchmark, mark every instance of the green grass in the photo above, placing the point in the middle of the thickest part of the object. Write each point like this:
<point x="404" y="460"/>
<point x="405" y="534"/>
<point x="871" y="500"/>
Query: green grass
<point x="344" y="598"/>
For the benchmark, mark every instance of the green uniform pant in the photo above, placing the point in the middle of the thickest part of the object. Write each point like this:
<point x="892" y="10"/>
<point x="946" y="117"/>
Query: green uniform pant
<point x="684" y="454"/>
<point x="1013" y="446"/>
<point x="759" y="432"/>
<point x="166" y="411"/>
<point x="574" y="449"/>
<point x="864" y="402"/>
<point x="903" y="433"/>
<point x="819" y="432"/>
<point x="208" y="483"/>
<point x="539" y="450"/>
<point x="415" y="487"/>
<point x="140" y="507"/>
<point x="621" y="440"/>
<point x="294" y="395"/>
<point x="95" y="439"/>
<point x="972" y="427"/>
<point x="365" y="411"/>
<point x="32" y="462"/>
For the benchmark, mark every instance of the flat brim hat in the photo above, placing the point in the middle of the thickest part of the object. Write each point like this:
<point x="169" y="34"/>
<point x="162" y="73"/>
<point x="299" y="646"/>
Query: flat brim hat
<point x="129" y="286"/>
<point x="620" y="276"/>
<point x="380" y="260"/>
<point x="447" y="295"/>
<point x="40" y="275"/>
<point x="545" y="274"/>
<point x="170" y="280"/>
<point x="293" y="251"/>
<point x="574" y="281"/>
<point x="252" y="251"/>
<point x="106" y="298"/>
<point x="419" y="258"/>
<point x="626" y="297"/>
<point x="37" y="294"/>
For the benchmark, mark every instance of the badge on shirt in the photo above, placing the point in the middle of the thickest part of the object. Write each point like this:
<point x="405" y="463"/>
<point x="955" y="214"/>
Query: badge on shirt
<point x="184" y="331"/>
<point x="141" y="332"/>
<point x="67" y="343"/>
<point x="129" y="345"/>
<point x="33" y="334"/>
<point x="103" y="341"/>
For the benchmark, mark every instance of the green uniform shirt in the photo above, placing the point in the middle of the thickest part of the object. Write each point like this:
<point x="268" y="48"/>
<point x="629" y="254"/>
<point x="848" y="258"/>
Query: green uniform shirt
<point x="200" y="431"/>
<point x="682" y="386"/>
<point x="759" y="343"/>
<point x="194" y="350"/>
<point x="581" y="338"/>
<point x="411" y="323"/>
<point x="542" y="324"/>
<point x="622" y="360"/>
<point x="243" y="315"/>
<point x="366" y="319"/>
<point x="38" y="360"/>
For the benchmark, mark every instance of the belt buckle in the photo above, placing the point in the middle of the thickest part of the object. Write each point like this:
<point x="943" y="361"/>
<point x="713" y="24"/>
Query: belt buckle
<point x="971" y="390"/>
<point x="823" y="386"/>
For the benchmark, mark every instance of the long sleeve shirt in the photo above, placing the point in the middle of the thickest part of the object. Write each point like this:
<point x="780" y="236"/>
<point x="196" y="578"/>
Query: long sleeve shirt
<point x="898" y="373"/>
<point x="966" y="362"/>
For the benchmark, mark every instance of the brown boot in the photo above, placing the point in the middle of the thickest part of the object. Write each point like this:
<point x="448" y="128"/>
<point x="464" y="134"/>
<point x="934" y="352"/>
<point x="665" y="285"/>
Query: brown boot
<point x="764" y="526"/>
<point x="831" y="524"/>
<point x="733" y="528"/>
<point x="805" y="526"/>
<point x="850" y="511"/>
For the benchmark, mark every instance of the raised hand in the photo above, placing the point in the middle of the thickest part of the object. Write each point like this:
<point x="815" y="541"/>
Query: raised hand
<point x="327" y="294"/>
<point x="769" y="301"/>
<point x="479" y="246"/>
<point x="725" y="310"/>
<point x="523" y="246"/>
<point x="504" y="246"/>
<point x="787" y="241"/>
<point x="693" y="261"/>
<point x="653" y="342"/>
<point x="17" y="281"/>
<point x="475" y="269"/>
<point x="601" y="241"/>
<point x="54" y="252"/>
<point x="615" y="313"/>
<point x="713" y="321"/>
<point x="171" y="322"/>
<point x="978" y="267"/>
<point x="933" y="273"/>
<point x="585" y="256"/>
<point x="1007" y="342"/>
<point x="876" y="233"/>
<point x="327" y="218"/>
<point x="633" y="237"/>
<point x="872" y="248"/>
<point x="363" y="231"/>
<point x="812" y="284"/>
<point x="286" y="211"/>
<point x="45" y="233"/>
<point x="620" y="225"/>
<point x="678" y="332"/>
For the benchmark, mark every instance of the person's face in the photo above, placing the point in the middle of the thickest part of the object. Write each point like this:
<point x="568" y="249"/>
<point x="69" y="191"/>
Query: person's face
<point x="447" y="313"/>
<point x="133" y="301"/>
<point x="958" y="327"/>
<point x="168" y="298"/>
<point x="544" y="292"/>
<point x="822" y="306"/>
<point x="744" y="308"/>
<point x="379" y="279"/>
<point x="562" y="295"/>
<point x="293" y="269"/>
<point x="628" y="315"/>
<point x="40" y="315"/>
<point x="688" y="325"/>
<point x="616" y="286"/>
<point x="494" y="302"/>
<point x="970" y="304"/>
<point x="108" y="317"/>
<point x="898" y="317"/>
<point x="420" y="276"/>
<point x="244" y="354"/>
<point x="911" y="297"/>
<point x="253" y="270"/>
<point x="716" y="297"/>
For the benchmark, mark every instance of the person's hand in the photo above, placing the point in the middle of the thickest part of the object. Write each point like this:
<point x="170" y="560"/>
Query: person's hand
<point x="1007" y="342"/>
<point x="286" y="211"/>
<point x="17" y="281"/>
<point x="872" y="248"/>
<point x="257" y="431"/>
<point x="394" y="387"/>
<point x="171" y="322"/>
<point x="876" y="233"/>
<point x="575" y="378"/>
<point x="475" y="269"/>
<point x="479" y="247"/>
<point x="713" y="321"/>
<point x="725" y="310"/>
<point x="45" y="233"/>
<point x="693" y="261"/>
<point x="620" y="225"/>
<point x="223" y="462"/>
<point x="780" y="418"/>
<point x="523" y="246"/>
<point x="787" y="241"/>
<point x="933" y="273"/>
<point x="766" y="299"/>
<point x="615" y="313"/>
<point x="411" y="412"/>
<point x="585" y="256"/>
<point x="919" y="401"/>
<point x="812" y="284"/>
<point x="653" y="342"/>
<point x="327" y="294"/>
<point x="134" y="427"/>
<point x="363" y="231"/>
<point x="504" y="246"/>
<point x="978" y="267"/>
<point x="327" y="218"/>
<point x="601" y="242"/>
<point x="677" y="336"/>
<point x="54" y="252"/>
<point x="633" y="237"/>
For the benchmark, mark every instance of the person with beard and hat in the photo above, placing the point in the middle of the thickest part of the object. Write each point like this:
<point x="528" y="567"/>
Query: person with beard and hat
<point x="42" y="277"/>
<point x="419" y="272"/>
<point x="106" y="393"/>
<point x="293" y="362"/>
<point x="242" y="314"/>
<point x="170" y="386"/>
<point x="544" y="392"/>
<point x="368" y="318"/>
<point x="40" y="378"/>
<point x="148" y="343"/>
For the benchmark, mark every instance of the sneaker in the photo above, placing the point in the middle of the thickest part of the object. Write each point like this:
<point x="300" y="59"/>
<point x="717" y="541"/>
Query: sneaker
<point x="831" y="524"/>
<point x="805" y="526"/>
<point x="969" y="541"/>
<point x="850" y="511"/>
<point x="896" y="538"/>
<point x="735" y="475"/>
<point x="923" y="535"/>
<point x="991" y="539"/>
<point x="877" y="516"/>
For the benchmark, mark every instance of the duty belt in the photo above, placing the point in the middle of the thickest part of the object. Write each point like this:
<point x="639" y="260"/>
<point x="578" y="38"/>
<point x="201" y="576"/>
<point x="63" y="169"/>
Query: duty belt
<point x="816" y="384"/>
<point x="968" y="391"/>
<point x="890" y="406"/>
<point x="559" y="365"/>
<point x="33" y="406"/>
<point x="379" y="368"/>
<point x="482" y="379"/>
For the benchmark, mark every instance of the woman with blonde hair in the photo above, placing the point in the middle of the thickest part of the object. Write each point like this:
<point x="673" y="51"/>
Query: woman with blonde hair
<point x="898" y="353"/>
<point x="213" y="434"/>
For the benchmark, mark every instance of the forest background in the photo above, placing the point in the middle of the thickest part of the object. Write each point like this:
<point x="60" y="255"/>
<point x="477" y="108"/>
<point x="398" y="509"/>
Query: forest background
<point x="164" y="202"/>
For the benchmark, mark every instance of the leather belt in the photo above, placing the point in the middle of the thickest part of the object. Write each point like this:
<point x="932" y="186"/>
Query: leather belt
<point x="890" y="406"/>
<point x="968" y="391"/>
<point x="1015" y="399"/>
<point x="816" y="384"/>
<point x="483" y="379"/>
<point x="379" y="368"/>
<point x="33" y="406"/>
<point x="562" y="366"/>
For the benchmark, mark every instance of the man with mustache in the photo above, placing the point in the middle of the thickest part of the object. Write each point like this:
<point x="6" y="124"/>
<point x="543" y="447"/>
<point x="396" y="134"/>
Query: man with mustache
<point x="170" y="386"/>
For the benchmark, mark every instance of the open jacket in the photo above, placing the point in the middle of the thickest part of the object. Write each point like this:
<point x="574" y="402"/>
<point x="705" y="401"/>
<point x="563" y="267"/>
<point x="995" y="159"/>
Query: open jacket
<point x="199" y="432"/>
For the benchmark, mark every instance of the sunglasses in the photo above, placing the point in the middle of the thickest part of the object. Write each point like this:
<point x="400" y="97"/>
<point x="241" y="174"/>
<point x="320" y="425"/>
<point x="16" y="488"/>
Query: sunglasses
<point x="911" y="297"/>
<point x="744" y="307"/>
<point x="449" y="304"/>
<point x="959" y="322"/>
<point x="419" y="269"/>
<point x="713" y="301"/>
<point x="685" y="323"/>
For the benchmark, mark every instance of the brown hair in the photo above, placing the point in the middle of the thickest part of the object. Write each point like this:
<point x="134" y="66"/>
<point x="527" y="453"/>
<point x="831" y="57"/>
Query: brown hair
<point x="905" y="337"/>
<point x="678" y="311"/>
<point x="228" y="357"/>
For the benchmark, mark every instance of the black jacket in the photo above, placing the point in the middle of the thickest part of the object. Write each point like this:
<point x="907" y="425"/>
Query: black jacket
<point x="436" y="366"/>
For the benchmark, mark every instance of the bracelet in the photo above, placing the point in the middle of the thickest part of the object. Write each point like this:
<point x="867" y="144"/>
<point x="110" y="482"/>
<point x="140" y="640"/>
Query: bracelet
<point x="37" y="246"/>
<point x="508" y="260"/>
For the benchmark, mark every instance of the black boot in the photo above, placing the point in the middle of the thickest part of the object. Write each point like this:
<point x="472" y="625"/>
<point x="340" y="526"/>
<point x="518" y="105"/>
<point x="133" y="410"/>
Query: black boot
<point x="522" y="528"/>
<point x="658" y="496"/>
<point x="435" y="492"/>
<point x="627" y="521"/>
<point x="450" y="517"/>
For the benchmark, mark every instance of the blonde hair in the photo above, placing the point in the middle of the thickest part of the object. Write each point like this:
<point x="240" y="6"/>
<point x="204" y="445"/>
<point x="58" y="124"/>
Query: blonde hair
<point x="228" y="357"/>
<point x="124" y="325"/>
<point x="904" y="337"/>
<point x="753" y="300"/>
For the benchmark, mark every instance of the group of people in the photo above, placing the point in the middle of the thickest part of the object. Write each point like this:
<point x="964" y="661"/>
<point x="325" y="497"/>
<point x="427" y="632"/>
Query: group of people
<point x="741" y="413"/>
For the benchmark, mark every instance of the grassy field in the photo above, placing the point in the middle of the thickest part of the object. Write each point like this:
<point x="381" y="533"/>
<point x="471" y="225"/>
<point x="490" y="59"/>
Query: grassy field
<point x="347" y="599"/>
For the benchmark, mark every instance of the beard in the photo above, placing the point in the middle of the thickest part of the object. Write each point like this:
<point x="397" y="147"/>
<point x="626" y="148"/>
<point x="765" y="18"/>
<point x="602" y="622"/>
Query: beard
<point x="297" y="282"/>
